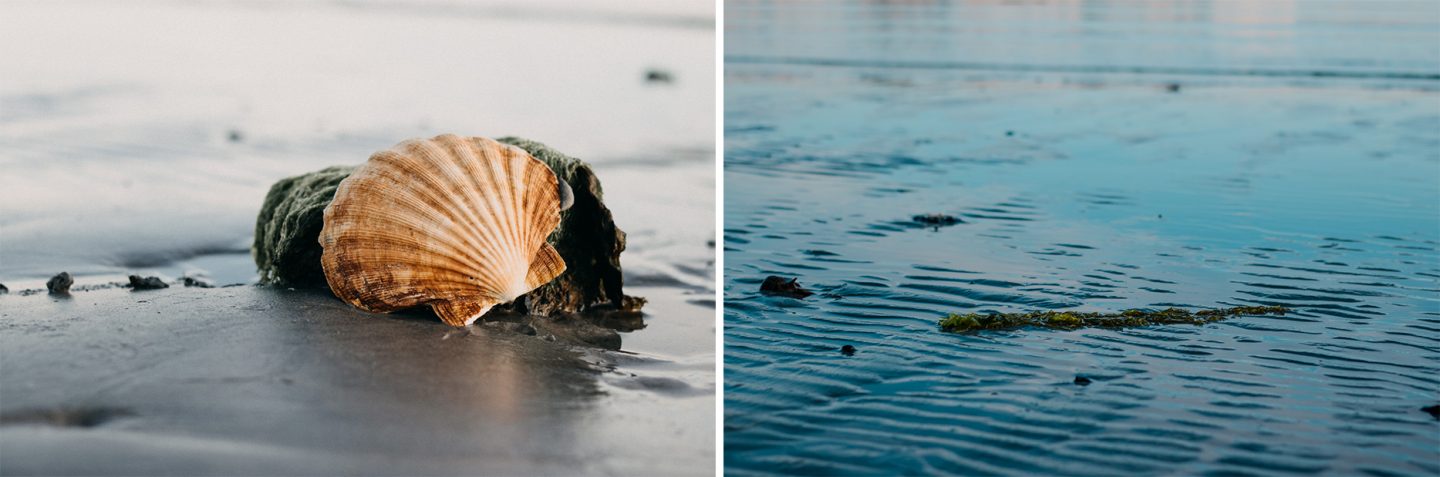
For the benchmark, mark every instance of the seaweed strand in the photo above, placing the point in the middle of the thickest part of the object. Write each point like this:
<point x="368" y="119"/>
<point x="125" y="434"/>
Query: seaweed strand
<point x="1070" y="320"/>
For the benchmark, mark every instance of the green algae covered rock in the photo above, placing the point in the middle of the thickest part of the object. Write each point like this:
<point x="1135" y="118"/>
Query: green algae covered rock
<point x="1070" y="320"/>
<point x="287" y="231"/>
<point x="287" y="248"/>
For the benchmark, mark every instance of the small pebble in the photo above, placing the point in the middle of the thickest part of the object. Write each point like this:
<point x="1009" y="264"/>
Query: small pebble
<point x="774" y="285"/>
<point x="4" y="289"/>
<point x="1081" y="380"/>
<point x="1009" y="133"/>
<point x="659" y="76"/>
<point x="198" y="282"/>
<point x="1433" y="411"/>
<point x="847" y="350"/>
<point x="1173" y="87"/>
<point x="236" y="136"/>
<point x="147" y="283"/>
<point x="60" y="284"/>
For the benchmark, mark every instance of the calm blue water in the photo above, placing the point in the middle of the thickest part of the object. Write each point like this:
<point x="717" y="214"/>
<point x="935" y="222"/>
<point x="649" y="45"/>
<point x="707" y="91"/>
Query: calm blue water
<point x="1085" y="183"/>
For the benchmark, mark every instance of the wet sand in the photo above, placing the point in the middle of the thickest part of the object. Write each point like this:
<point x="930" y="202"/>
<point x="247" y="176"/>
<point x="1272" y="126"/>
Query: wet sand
<point x="251" y="380"/>
<point x="141" y="139"/>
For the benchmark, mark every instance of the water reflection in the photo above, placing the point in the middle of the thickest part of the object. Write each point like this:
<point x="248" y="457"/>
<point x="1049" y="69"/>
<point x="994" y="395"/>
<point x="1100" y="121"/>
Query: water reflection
<point x="1086" y="187"/>
<point x="1200" y="34"/>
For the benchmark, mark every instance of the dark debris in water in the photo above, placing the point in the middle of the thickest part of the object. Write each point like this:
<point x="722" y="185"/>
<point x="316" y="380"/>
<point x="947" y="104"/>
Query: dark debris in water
<point x="1082" y="381"/>
<point x="147" y="283"/>
<point x="1070" y="320"/>
<point x="1433" y="411"/>
<point x="847" y="350"/>
<point x="774" y="285"/>
<point x="937" y="220"/>
<point x="60" y="284"/>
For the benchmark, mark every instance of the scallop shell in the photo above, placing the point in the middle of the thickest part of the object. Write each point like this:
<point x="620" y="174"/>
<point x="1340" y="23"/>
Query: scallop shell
<point x="455" y="223"/>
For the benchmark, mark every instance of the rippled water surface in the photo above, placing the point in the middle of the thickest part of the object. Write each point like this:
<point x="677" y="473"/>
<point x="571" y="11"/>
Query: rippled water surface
<point x="1106" y="188"/>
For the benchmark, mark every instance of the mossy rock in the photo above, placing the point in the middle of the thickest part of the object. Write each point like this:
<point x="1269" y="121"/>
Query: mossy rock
<point x="287" y="247"/>
<point x="287" y="231"/>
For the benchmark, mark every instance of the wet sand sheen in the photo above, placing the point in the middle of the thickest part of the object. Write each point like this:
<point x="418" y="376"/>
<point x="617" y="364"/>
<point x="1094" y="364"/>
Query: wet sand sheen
<point x="141" y="139"/>
<point x="257" y="380"/>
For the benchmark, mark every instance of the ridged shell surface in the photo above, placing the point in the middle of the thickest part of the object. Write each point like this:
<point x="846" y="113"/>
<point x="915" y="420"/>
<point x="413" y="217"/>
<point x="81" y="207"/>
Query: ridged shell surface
<point x="455" y="223"/>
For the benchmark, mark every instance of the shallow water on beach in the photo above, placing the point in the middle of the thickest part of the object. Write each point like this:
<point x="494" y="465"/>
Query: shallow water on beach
<point x="1090" y="191"/>
<point x="142" y="138"/>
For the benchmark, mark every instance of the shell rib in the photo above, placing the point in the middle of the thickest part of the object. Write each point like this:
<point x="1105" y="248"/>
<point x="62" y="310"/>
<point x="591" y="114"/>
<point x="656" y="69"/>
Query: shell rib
<point x="455" y="223"/>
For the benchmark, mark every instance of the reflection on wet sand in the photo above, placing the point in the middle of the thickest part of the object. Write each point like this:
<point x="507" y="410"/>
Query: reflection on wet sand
<point x="292" y="370"/>
<point x="141" y="139"/>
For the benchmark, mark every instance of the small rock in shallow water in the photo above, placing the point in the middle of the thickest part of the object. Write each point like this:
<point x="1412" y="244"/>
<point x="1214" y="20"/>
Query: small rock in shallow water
<point x="847" y="350"/>
<point x="1433" y="411"/>
<point x="937" y="219"/>
<point x="147" y="283"/>
<point x="774" y="285"/>
<point x="60" y="284"/>
<point x="1081" y="380"/>
<point x="1173" y="87"/>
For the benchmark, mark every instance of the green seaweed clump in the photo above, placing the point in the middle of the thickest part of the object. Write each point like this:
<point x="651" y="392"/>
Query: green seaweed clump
<point x="1070" y="320"/>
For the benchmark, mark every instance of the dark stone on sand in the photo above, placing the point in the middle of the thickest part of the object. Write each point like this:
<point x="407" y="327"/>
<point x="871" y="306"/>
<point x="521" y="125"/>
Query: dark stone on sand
<point x="1082" y="381"/>
<point x="235" y="135"/>
<point x="1433" y="411"/>
<point x="60" y="284"/>
<point x="64" y="417"/>
<point x="4" y="289"/>
<point x="287" y="230"/>
<point x="937" y="219"/>
<point x="774" y="285"/>
<point x="658" y="76"/>
<point x="197" y="282"/>
<point x="847" y="350"/>
<point x="624" y="319"/>
<point x="147" y="283"/>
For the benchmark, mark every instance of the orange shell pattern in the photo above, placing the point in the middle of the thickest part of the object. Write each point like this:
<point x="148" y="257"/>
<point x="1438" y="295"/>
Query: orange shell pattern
<point x="455" y="223"/>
